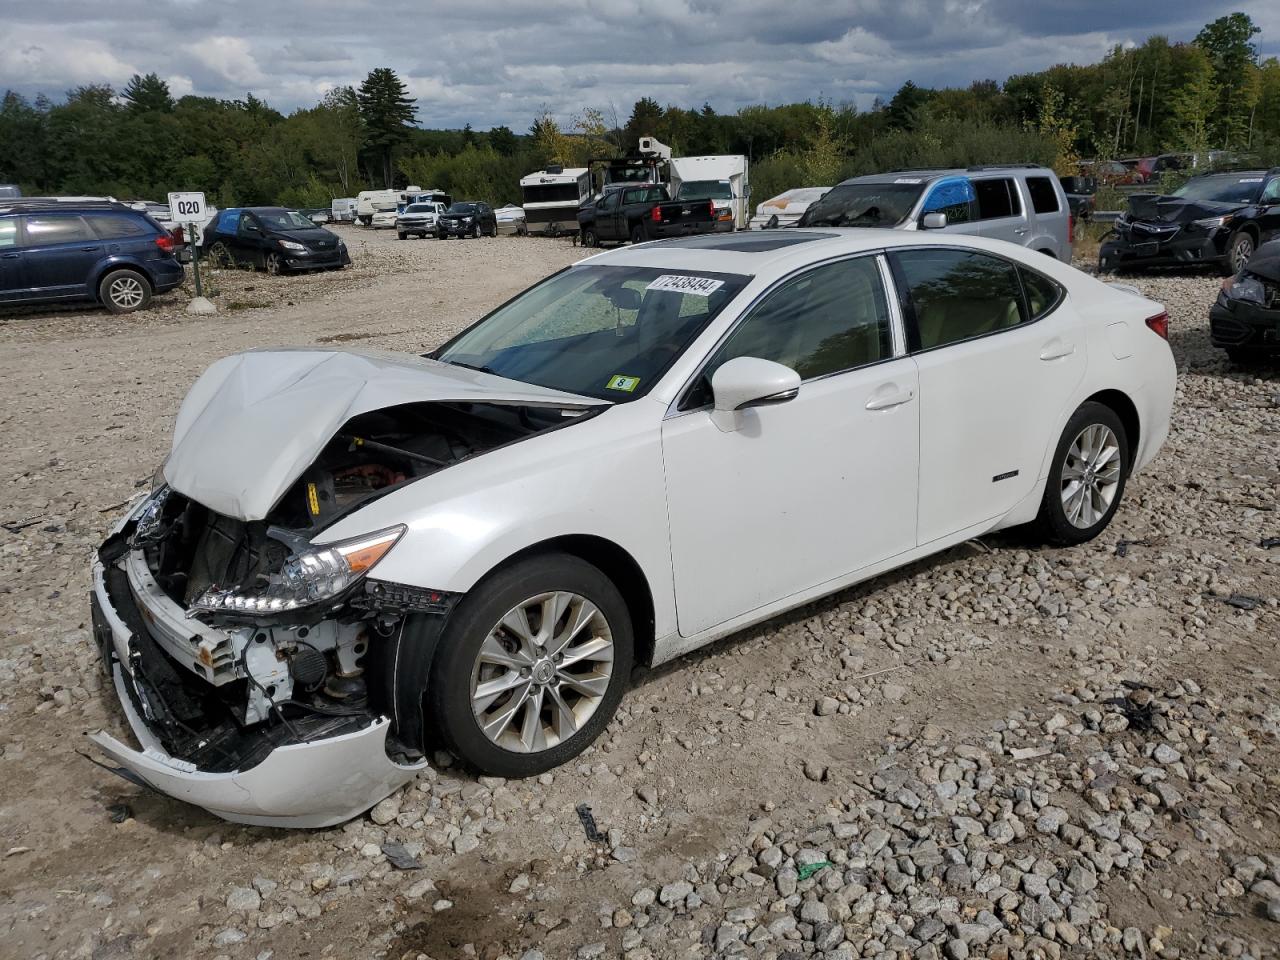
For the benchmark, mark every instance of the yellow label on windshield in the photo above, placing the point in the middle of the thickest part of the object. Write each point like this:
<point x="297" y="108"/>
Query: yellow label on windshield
<point x="619" y="382"/>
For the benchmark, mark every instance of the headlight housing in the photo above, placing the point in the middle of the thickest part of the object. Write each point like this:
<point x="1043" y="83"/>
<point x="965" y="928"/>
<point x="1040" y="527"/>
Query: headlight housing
<point x="1213" y="223"/>
<point x="290" y="245"/>
<point x="313" y="574"/>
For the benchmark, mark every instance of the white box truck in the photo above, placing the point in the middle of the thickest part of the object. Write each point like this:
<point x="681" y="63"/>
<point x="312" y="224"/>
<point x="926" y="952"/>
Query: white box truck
<point x="721" y="178"/>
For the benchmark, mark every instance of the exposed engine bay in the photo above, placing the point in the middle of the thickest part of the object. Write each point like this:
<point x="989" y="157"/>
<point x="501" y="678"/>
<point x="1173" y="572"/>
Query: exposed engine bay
<point x="247" y="636"/>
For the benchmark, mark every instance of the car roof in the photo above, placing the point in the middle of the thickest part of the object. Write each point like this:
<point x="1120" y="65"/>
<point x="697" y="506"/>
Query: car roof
<point x="934" y="173"/>
<point x="46" y="205"/>
<point x="773" y="251"/>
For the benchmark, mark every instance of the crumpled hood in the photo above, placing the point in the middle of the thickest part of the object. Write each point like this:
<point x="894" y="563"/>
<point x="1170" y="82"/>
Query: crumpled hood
<point x="1151" y="206"/>
<point x="254" y="422"/>
<point x="1265" y="262"/>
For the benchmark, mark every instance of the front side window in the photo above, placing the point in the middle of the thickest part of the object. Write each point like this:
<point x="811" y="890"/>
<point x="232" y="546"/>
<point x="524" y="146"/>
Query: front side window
<point x="1044" y="199"/>
<point x="1271" y="194"/>
<point x="958" y="294"/>
<point x="997" y="198"/>
<point x="827" y="320"/>
<point x="56" y="229"/>
<point x="953" y="197"/>
<point x="598" y="331"/>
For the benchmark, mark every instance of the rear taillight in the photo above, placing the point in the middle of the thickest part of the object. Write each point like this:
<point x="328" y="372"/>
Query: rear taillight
<point x="656" y="215"/>
<point x="166" y="242"/>
<point x="1160" y="323"/>
<point x="712" y="204"/>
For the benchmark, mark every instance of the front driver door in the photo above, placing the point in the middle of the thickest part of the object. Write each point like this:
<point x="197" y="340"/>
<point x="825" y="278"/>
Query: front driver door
<point x="12" y="272"/>
<point x="250" y="241"/>
<point x="809" y="490"/>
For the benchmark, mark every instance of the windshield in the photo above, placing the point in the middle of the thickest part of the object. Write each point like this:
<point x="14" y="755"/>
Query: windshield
<point x="705" y="190"/>
<point x="1230" y="189"/>
<point x="863" y="205"/>
<point x="284" y="220"/>
<point x="598" y="331"/>
<point x="420" y="208"/>
<point x="462" y="208"/>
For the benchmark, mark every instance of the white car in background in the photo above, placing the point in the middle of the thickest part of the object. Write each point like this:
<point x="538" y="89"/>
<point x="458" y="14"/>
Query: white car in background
<point x="348" y="556"/>
<point x="384" y="219"/>
<point x="785" y="209"/>
<point x="511" y="220"/>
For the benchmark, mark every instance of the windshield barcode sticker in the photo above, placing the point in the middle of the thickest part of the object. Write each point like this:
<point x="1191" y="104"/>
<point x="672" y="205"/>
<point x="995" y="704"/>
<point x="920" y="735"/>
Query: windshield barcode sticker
<point x="678" y="283"/>
<point x="908" y="180"/>
<point x="1250" y="180"/>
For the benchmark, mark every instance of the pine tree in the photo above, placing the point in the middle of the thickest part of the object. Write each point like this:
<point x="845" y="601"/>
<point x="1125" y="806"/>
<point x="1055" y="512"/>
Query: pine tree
<point x="386" y="110"/>
<point x="148" y="93"/>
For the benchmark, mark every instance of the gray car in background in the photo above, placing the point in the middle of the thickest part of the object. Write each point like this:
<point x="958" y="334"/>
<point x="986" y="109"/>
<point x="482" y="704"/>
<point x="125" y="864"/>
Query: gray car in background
<point x="1025" y="205"/>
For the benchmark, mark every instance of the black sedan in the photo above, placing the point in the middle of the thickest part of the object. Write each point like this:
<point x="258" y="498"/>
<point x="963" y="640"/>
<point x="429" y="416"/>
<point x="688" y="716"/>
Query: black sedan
<point x="1246" y="319"/>
<point x="1215" y="218"/>
<point x="468" y="218"/>
<point x="272" y="239"/>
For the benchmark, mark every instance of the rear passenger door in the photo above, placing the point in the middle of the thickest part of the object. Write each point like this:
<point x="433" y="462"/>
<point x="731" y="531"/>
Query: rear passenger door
<point x="12" y="272"/>
<point x="1000" y="355"/>
<point x="1000" y="210"/>
<point x="59" y="254"/>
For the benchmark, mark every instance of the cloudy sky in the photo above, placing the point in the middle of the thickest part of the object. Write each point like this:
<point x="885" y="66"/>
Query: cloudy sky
<point x="488" y="62"/>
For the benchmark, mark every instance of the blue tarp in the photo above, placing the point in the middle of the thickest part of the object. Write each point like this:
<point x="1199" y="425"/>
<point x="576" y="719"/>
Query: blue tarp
<point x="949" y="192"/>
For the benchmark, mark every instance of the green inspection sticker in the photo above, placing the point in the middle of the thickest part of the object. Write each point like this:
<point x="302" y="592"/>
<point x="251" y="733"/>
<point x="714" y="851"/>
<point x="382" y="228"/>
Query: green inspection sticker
<point x="619" y="382"/>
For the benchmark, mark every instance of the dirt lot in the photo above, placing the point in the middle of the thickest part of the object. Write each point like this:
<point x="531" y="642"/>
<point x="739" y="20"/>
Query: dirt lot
<point x="943" y="762"/>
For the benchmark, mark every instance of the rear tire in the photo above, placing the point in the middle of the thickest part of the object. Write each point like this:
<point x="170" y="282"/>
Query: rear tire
<point x="458" y="710"/>
<point x="124" y="291"/>
<point x="639" y="234"/>
<point x="1086" y="477"/>
<point x="589" y="237"/>
<point x="400" y="236"/>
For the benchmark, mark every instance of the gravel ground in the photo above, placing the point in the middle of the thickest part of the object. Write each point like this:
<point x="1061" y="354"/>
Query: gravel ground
<point x="1004" y="751"/>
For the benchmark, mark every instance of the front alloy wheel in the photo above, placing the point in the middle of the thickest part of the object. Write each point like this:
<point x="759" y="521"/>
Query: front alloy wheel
<point x="1239" y="252"/>
<point x="531" y="666"/>
<point x="542" y="672"/>
<point x="273" y="263"/>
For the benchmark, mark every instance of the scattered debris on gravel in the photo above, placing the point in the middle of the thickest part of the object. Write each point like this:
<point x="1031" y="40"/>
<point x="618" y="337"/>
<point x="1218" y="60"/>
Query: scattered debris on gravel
<point x="1003" y="751"/>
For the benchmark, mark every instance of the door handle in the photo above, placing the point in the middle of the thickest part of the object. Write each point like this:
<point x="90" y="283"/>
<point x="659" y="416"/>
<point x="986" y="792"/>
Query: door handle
<point x="10" y="256"/>
<point x="1020" y="231"/>
<point x="890" y="400"/>
<point x="1057" y="349"/>
<point x="88" y="249"/>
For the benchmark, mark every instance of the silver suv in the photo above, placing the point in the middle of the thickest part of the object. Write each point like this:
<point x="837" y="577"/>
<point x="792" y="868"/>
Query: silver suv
<point x="1025" y="205"/>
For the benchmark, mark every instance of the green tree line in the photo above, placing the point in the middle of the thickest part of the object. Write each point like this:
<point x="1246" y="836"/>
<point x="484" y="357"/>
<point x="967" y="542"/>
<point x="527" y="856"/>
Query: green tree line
<point x="1213" y="92"/>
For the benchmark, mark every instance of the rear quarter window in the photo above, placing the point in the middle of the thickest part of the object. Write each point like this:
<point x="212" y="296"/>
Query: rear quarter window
<point x="117" y="228"/>
<point x="1044" y="199"/>
<point x="1042" y="294"/>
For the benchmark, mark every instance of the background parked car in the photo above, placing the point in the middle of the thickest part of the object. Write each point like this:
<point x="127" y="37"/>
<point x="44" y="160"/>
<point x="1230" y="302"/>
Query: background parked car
<point x="317" y="214"/>
<point x="9" y="191"/>
<point x="98" y="251"/>
<point x="1215" y="218"/>
<point x="418" y="219"/>
<point x="511" y="220"/>
<point x="384" y="219"/>
<point x="622" y="213"/>
<point x="273" y="239"/>
<point x="1245" y="321"/>
<point x="1025" y="205"/>
<point x="467" y="218"/>
<point x="786" y="208"/>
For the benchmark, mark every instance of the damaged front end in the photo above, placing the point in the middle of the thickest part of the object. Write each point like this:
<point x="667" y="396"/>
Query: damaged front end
<point x="1246" y="316"/>
<point x="1167" y="231"/>
<point x="271" y="677"/>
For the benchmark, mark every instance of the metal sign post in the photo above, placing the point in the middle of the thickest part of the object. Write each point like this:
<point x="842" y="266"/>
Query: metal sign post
<point x="189" y="210"/>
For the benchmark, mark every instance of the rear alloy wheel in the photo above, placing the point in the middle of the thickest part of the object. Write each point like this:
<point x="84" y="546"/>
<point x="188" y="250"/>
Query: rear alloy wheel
<point x="532" y="666"/>
<point x="1087" y="477"/>
<point x="124" y="291"/>
<point x="1239" y="250"/>
<point x="273" y="263"/>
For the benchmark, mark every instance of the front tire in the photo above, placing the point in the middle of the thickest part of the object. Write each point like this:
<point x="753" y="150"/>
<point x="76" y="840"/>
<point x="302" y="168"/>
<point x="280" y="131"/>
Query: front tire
<point x="124" y="291"/>
<point x="474" y="233"/>
<point x="532" y="666"/>
<point x="1239" y="249"/>
<point x="273" y="264"/>
<point x="1086" y="478"/>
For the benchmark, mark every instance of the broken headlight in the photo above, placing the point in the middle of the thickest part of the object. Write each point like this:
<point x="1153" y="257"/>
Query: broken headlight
<point x="314" y="573"/>
<point x="1213" y="223"/>
<point x="1245" y="288"/>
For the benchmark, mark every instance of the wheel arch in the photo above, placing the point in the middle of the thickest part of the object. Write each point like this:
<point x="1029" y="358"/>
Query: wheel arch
<point x="110" y="266"/>
<point x="619" y="566"/>
<point x="1120" y="403"/>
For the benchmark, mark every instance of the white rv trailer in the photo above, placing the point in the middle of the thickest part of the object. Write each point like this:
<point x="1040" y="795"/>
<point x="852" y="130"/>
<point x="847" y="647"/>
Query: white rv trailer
<point x="369" y="202"/>
<point x="552" y="197"/>
<point x="343" y="209"/>
<point x="727" y="168"/>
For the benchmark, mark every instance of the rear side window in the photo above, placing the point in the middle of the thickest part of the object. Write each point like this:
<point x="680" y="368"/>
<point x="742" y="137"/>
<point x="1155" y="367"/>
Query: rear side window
<point x="116" y="228"/>
<point x="957" y="294"/>
<point x="56" y="229"/>
<point x="997" y="198"/>
<point x="1042" y="293"/>
<point x="9" y="232"/>
<point x="1044" y="199"/>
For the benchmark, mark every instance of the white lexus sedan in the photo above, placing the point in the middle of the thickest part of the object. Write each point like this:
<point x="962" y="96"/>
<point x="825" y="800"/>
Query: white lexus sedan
<point x="350" y="558"/>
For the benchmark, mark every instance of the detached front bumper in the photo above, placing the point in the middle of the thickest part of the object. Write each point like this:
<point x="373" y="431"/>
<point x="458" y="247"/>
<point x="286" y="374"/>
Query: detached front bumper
<point x="1184" y="247"/>
<point x="314" y="783"/>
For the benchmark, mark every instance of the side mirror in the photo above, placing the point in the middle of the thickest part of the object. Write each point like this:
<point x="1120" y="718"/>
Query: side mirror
<point x="746" y="382"/>
<point x="933" y="221"/>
